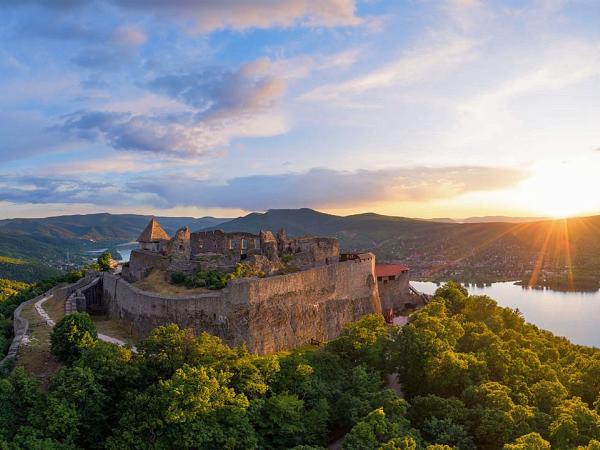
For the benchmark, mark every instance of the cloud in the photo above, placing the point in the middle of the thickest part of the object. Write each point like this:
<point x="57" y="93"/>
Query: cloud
<point x="31" y="189"/>
<point x="114" y="51"/>
<point x="315" y="188"/>
<point x="329" y="188"/>
<point x="129" y="36"/>
<point x="557" y="67"/>
<point x="205" y="16"/>
<point x="221" y="105"/>
<point x="247" y="89"/>
<point x="210" y="15"/>
<point x="411" y="67"/>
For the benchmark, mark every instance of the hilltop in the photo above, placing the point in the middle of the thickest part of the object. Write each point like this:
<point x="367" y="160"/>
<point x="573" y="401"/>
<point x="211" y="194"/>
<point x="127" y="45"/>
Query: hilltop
<point x="478" y="251"/>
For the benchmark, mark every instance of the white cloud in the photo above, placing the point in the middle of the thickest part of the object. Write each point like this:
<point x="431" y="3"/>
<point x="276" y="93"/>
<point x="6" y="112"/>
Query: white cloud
<point x="209" y="15"/>
<point x="411" y="67"/>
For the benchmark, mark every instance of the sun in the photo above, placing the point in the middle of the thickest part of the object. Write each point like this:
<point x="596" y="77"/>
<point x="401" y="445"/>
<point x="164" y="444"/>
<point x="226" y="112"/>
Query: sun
<point x="559" y="190"/>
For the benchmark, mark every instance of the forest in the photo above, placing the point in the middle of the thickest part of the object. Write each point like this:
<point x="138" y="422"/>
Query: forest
<point x="473" y="375"/>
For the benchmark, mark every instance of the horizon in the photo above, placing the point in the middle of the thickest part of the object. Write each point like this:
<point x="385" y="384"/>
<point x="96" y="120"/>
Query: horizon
<point x="509" y="219"/>
<point x="431" y="110"/>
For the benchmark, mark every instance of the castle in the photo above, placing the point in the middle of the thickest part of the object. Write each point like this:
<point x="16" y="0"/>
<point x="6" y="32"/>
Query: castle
<point x="306" y="292"/>
<point x="186" y="251"/>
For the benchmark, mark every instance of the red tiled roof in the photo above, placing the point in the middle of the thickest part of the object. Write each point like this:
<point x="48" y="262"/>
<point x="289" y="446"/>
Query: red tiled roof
<point x="388" y="270"/>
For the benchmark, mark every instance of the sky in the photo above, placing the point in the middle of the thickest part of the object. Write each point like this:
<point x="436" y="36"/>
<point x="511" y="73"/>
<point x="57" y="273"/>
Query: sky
<point x="422" y="108"/>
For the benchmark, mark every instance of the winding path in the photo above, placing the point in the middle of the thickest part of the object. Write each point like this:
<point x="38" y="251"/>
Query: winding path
<point x="20" y="327"/>
<point x="103" y="337"/>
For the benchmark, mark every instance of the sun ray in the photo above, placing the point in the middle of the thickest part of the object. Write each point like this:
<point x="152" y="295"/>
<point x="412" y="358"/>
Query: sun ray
<point x="539" y="263"/>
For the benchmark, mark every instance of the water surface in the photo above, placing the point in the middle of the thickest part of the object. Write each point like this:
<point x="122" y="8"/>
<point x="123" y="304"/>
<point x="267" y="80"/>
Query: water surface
<point x="575" y="315"/>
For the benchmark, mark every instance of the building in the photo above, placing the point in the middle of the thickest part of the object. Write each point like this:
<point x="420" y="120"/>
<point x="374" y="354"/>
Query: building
<point x="153" y="237"/>
<point x="309" y="291"/>
<point x="393" y="284"/>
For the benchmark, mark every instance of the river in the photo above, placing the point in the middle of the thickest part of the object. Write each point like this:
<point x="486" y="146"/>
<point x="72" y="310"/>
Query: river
<point x="123" y="249"/>
<point x="575" y="315"/>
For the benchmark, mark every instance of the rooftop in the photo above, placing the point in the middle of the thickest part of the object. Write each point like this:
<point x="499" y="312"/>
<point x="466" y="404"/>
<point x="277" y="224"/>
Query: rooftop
<point x="388" y="270"/>
<point x="153" y="232"/>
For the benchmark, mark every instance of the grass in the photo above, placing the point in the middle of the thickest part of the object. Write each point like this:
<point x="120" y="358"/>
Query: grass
<point x="158" y="281"/>
<point x="34" y="353"/>
<point x="55" y="307"/>
<point x="114" y="329"/>
<point x="9" y="260"/>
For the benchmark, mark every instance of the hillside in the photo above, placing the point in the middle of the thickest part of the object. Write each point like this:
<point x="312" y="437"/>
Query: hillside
<point x="24" y="271"/>
<point x="561" y="250"/>
<point x="355" y="232"/>
<point x="476" y="252"/>
<point x="48" y="244"/>
<point x="97" y="227"/>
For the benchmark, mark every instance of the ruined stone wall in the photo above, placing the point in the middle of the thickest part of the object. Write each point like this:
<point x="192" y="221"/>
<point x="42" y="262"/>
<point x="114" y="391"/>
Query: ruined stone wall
<point x="312" y="251"/>
<point x="394" y="294"/>
<point x="142" y="261"/>
<point x="217" y="241"/>
<point x="268" y="314"/>
<point x="141" y="311"/>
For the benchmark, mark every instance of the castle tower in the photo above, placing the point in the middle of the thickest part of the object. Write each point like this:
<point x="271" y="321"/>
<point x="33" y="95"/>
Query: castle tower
<point x="179" y="246"/>
<point x="268" y="246"/>
<point x="152" y="236"/>
<point x="281" y="241"/>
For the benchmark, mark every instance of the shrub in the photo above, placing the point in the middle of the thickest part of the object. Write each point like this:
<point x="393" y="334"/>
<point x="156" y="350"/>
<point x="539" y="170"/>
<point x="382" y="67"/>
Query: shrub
<point x="104" y="261"/>
<point x="70" y="334"/>
<point x="178" y="278"/>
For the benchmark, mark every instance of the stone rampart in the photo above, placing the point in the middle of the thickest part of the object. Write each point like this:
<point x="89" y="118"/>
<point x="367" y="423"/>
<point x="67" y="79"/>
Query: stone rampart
<point x="268" y="314"/>
<point x="312" y="305"/>
<point x="141" y="311"/>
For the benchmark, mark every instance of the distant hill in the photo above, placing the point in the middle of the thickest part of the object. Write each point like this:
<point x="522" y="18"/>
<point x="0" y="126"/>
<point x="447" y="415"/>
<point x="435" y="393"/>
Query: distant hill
<point x="488" y="219"/>
<point x="98" y="227"/>
<point x="359" y="231"/>
<point x="505" y="219"/>
<point x="477" y="251"/>
<point x="58" y="242"/>
<point x="482" y="248"/>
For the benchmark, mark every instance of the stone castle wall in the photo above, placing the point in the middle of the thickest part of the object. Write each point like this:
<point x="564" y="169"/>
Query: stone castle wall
<point x="290" y="310"/>
<point x="395" y="293"/>
<point x="268" y="314"/>
<point x="218" y="241"/>
<point x="142" y="261"/>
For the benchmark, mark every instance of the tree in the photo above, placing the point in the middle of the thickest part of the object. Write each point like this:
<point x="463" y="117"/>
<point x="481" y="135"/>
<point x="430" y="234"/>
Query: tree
<point x="77" y="390"/>
<point x="531" y="441"/>
<point x="195" y="408"/>
<point x="364" y="341"/>
<point x="21" y="400"/>
<point x="104" y="261"/>
<point x="384" y="428"/>
<point x="575" y="424"/>
<point x="279" y="421"/>
<point x="70" y="335"/>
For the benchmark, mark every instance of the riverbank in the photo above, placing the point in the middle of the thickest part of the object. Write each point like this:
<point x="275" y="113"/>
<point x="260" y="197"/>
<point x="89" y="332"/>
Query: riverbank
<point x="570" y="314"/>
